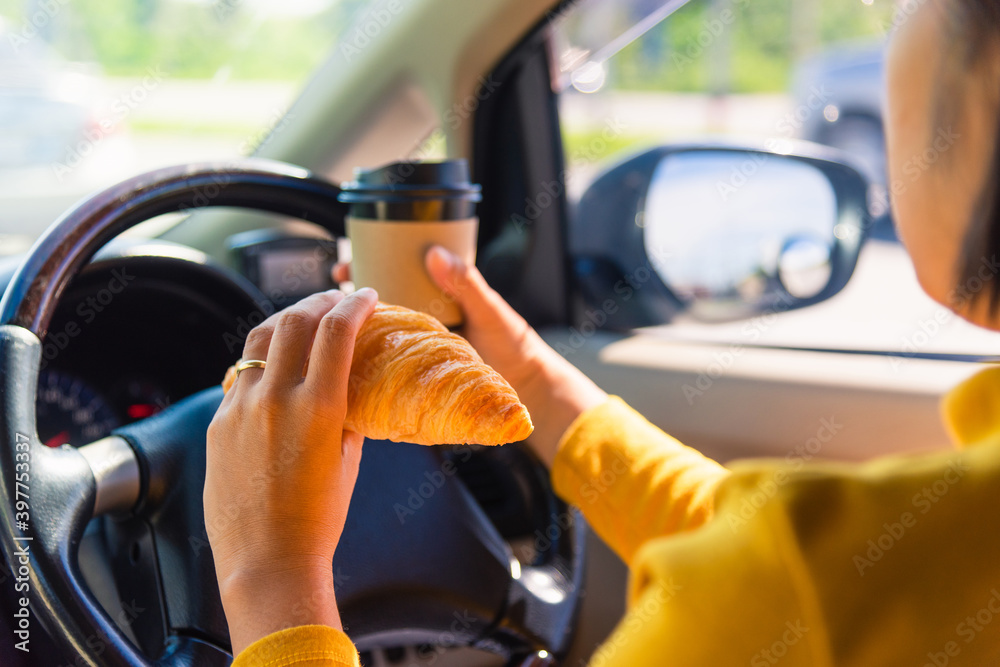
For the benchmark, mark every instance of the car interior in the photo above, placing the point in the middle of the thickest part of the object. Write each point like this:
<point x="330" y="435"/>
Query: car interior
<point x="695" y="277"/>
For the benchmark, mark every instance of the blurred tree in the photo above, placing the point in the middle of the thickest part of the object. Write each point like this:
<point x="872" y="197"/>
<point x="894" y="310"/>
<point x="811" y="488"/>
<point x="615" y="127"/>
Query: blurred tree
<point x="185" y="38"/>
<point x="685" y="53"/>
<point x="145" y="11"/>
<point x="805" y="27"/>
<point x="764" y="42"/>
<point x="720" y="50"/>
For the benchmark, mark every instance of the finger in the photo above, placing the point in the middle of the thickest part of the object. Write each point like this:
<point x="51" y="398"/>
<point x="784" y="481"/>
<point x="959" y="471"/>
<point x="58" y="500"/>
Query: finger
<point x="293" y="335"/>
<point x="229" y="379"/>
<point x="465" y="283"/>
<point x="341" y="272"/>
<point x="333" y="348"/>
<point x="227" y="384"/>
<point x="256" y="346"/>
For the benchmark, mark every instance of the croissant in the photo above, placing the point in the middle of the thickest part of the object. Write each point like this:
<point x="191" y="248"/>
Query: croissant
<point x="414" y="381"/>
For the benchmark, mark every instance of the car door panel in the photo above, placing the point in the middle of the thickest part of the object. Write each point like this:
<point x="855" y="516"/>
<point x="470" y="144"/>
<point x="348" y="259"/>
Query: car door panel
<point x="774" y="402"/>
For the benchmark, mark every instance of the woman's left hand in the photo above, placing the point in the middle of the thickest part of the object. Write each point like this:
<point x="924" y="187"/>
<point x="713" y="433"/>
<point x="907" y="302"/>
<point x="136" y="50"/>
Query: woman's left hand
<point x="281" y="468"/>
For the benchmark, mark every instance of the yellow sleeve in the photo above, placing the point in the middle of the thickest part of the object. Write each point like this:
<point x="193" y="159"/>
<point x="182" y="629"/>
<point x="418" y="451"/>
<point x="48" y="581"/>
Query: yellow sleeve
<point x="632" y="481"/>
<point x="302" y="646"/>
<point x="894" y="562"/>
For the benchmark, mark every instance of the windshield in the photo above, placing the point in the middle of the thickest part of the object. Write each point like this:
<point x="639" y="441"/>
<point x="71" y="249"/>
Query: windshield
<point x="95" y="91"/>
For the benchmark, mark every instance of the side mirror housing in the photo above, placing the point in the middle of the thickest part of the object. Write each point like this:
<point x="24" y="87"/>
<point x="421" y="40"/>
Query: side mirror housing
<point x="717" y="233"/>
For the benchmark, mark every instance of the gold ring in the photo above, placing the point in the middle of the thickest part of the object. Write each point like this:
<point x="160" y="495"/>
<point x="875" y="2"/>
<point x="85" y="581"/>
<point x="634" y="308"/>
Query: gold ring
<point x="249" y="363"/>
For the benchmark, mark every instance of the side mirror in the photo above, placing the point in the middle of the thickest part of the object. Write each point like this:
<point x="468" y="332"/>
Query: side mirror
<point x="717" y="233"/>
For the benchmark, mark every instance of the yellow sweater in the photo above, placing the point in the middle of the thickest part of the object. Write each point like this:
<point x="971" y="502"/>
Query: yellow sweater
<point x="893" y="562"/>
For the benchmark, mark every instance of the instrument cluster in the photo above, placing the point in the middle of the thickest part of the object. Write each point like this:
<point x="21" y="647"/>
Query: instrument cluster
<point x="73" y="411"/>
<point x="134" y="334"/>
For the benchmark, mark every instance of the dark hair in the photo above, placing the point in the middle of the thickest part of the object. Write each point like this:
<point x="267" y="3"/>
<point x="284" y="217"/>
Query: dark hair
<point x="978" y="25"/>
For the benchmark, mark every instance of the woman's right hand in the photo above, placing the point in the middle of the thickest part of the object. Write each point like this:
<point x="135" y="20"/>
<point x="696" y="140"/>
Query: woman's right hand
<point x="554" y="391"/>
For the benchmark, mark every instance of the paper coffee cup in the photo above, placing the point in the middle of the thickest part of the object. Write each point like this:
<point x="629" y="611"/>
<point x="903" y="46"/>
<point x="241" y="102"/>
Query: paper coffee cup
<point x="397" y="213"/>
<point x="388" y="256"/>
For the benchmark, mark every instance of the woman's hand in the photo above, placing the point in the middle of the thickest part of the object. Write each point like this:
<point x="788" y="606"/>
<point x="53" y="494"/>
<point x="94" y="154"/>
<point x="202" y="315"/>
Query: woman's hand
<point x="554" y="391"/>
<point x="281" y="469"/>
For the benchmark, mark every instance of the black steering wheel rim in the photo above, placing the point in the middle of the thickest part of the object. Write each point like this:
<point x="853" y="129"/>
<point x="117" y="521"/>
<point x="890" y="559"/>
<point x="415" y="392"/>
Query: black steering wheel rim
<point x="66" y="492"/>
<point x="252" y="183"/>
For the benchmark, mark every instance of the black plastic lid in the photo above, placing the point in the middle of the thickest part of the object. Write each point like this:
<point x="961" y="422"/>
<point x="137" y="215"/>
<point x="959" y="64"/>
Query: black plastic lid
<point x="413" y="191"/>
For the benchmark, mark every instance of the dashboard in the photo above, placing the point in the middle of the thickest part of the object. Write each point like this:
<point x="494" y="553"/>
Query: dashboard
<point x="141" y="327"/>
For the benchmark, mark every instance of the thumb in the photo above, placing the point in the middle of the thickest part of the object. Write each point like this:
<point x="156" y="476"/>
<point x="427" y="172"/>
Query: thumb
<point x="461" y="281"/>
<point x="455" y="277"/>
<point x="341" y="272"/>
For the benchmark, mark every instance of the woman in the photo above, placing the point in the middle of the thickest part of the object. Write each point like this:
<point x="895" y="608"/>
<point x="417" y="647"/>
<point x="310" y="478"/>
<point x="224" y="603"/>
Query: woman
<point x="892" y="562"/>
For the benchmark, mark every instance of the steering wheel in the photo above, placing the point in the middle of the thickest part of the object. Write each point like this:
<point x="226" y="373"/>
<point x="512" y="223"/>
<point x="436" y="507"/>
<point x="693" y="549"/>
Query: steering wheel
<point x="438" y="573"/>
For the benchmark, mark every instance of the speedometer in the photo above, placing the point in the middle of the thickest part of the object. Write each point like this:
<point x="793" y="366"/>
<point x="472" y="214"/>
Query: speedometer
<point x="71" y="411"/>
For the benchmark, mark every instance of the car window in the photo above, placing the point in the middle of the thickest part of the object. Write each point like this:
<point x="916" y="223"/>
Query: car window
<point x="95" y="91"/>
<point x="638" y="74"/>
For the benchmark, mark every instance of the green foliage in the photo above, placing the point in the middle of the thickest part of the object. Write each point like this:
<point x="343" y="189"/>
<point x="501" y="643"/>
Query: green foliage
<point x="759" y="37"/>
<point x="849" y="20"/>
<point x="207" y="38"/>
<point x="191" y="38"/>
<point x="594" y="146"/>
